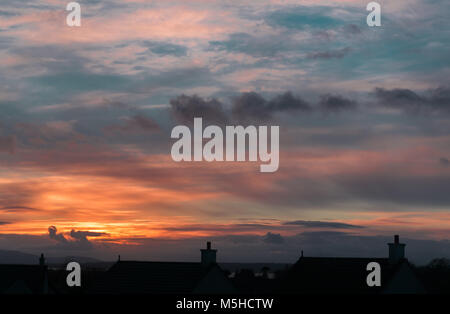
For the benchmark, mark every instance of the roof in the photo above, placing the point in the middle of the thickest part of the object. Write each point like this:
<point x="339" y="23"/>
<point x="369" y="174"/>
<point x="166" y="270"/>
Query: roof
<point x="131" y="277"/>
<point x="336" y="275"/>
<point x="22" y="279"/>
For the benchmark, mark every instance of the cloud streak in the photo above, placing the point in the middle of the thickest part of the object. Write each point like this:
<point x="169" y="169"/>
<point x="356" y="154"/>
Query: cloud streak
<point x="322" y="224"/>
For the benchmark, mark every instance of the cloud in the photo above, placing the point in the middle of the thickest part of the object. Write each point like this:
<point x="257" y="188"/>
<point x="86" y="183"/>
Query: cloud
<point x="48" y="133"/>
<point x="7" y="144"/>
<point x="78" y="239"/>
<point x="143" y="122"/>
<point x="400" y="98"/>
<point x="164" y="49"/>
<point x="267" y="45"/>
<point x="74" y="81"/>
<point x="4" y="223"/>
<point x="336" y="103"/>
<point x="352" y="29"/>
<point x="287" y="102"/>
<point x="54" y="58"/>
<point x="330" y="54"/>
<point x="138" y="122"/>
<point x="186" y="108"/>
<point x="53" y="234"/>
<point x="434" y="100"/>
<point x="273" y="238"/>
<point x="303" y="17"/>
<point x="18" y="209"/>
<point x="82" y="235"/>
<point x="322" y="224"/>
<point x="444" y="162"/>
<point x="253" y="107"/>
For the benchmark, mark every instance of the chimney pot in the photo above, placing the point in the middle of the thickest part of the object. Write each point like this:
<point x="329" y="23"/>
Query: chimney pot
<point x="208" y="255"/>
<point x="42" y="260"/>
<point x="396" y="250"/>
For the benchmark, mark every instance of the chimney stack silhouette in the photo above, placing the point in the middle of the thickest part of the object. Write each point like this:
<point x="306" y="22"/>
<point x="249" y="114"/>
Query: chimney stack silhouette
<point x="42" y="260"/>
<point x="396" y="250"/>
<point x="208" y="255"/>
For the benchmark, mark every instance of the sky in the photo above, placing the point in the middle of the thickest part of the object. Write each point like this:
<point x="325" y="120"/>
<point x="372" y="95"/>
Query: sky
<point x="86" y="115"/>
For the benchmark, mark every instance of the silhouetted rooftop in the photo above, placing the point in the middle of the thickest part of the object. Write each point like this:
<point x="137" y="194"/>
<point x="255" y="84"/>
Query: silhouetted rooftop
<point x="336" y="275"/>
<point x="152" y="277"/>
<point x="22" y="279"/>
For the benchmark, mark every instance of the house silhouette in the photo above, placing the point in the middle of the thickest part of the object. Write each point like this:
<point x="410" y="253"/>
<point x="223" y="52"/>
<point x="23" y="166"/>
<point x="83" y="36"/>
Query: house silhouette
<point x="135" y="277"/>
<point x="340" y="275"/>
<point x="24" y="279"/>
<point x="309" y="275"/>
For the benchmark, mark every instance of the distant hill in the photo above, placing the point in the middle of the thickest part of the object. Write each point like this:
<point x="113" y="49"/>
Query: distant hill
<point x="16" y="257"/>
<point x="67" y="259"/>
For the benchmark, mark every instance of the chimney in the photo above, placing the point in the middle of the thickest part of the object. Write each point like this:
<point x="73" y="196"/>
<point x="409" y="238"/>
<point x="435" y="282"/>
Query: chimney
<point x="396" y="250"/>
<point x="208" y="255"/>
<point x="42" y="260"/>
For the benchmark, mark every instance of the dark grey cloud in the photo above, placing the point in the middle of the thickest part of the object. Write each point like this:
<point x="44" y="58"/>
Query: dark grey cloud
<point x="82" y="235"/>
<point x="18" y="209"/>
<point x="78" y="240"/>
<point x="163" y="48"/>
<point x="286" y="102"/>
<point x="435" y="100"/>
<point x="227" y="227"/>
<point x="444" y="162"/>
<point x="352" y="29"/>
<point x="273" y="238"/>
<point x="53" y="234"/>
<point x="186" y="108"/>
<point x="322" y="224"/>
<point x="320" y="234"/>
<point x="4" y="223"/>
<point x="336" y="103"/>
<point x="252" y="106"/>
<point x="330" y="54"/>
<point x="400" y="98"/>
